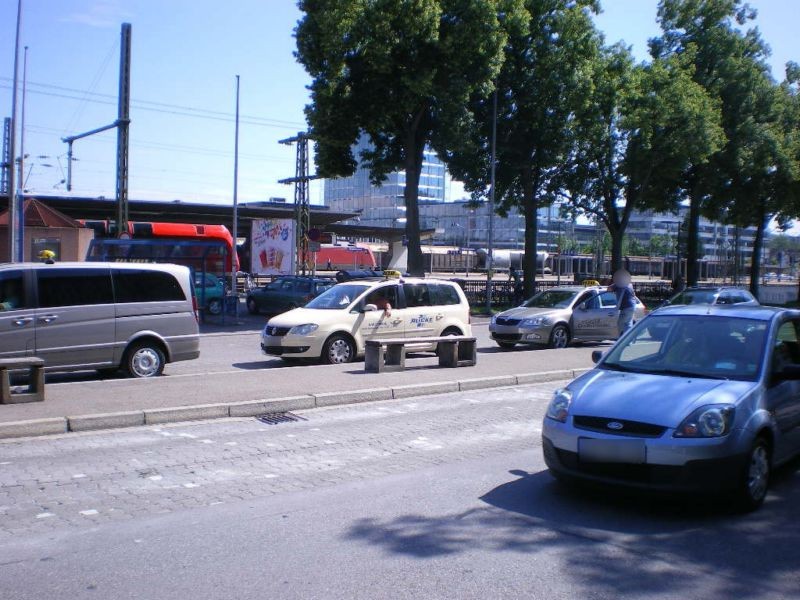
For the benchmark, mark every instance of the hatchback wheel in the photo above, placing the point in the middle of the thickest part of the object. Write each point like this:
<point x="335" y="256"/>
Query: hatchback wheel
<point x="755" y="477"/>
<point x="559" y="337"/>
<point x="215" y="306"/>
<point x="338" y="350"/>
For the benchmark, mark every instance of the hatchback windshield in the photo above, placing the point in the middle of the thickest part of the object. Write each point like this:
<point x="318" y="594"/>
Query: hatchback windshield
<point x="693" y="346"/>
<point x="551" y="299"/>
<point x="337" y="297"/>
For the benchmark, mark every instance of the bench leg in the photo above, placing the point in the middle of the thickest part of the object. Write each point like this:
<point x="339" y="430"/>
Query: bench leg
<point x="373" y="359"/>
<point x="36" y="382"/>
<point x="395" y="358"/>
<point x="5" y="387"/>
<point x="448" y="354"/>
<point x="467" y="354"/>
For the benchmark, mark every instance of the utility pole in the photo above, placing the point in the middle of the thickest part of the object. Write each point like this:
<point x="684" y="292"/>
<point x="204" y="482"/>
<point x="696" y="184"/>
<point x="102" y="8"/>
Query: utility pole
<point x="5" y="159"/>
<point x="13" y="213"/>
<point x="234" y="253"/>
<point x="490" y="236"/>
<point x="21" y="183"/>
<point x="122" y="125"/>
<point x="301" y="199"/>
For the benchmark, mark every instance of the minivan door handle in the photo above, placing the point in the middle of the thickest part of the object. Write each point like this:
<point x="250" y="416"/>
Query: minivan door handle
<point x="22" y="321"/>
<point x="48" y="318"/>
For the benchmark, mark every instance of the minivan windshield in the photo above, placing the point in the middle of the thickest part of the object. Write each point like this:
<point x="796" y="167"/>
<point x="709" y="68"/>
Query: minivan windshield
<point x="551" y="299"/>
<point x="708" y="346"/>
<point x="338" y="297"/>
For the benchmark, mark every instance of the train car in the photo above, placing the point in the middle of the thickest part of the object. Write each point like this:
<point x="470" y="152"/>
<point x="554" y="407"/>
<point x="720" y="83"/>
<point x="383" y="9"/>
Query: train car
<point x="338" y="258"/>
<point x="505" y="259"/>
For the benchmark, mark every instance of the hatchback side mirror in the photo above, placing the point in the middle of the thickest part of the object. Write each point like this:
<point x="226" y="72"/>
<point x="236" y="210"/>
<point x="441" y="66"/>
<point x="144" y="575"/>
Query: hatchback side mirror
<point x="787" y="373"/>
<point x="370" y="307"/>
<point x="597" y="355"/>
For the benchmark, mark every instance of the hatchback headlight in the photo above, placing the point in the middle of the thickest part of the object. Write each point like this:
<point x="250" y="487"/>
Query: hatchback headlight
<point x="710" y="421"/>
<point x="558" y="410"/>
<point x="534" y="322"/>
<point x="303" y="329"/>
<point x="494" y="320"/>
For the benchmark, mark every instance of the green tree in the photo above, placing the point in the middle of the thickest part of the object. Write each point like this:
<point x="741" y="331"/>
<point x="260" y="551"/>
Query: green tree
<point x="402" y="73"/>
<point x="725" y="60"/>
<point x="639" y="128"/>
<point x="542" y="82"/>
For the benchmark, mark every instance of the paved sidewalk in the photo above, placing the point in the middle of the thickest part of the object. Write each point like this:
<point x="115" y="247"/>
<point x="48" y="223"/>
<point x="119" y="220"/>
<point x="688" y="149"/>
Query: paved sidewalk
<point x="314" y="385"/>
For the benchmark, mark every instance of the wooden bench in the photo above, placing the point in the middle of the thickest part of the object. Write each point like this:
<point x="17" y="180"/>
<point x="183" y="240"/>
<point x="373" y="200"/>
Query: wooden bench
<point x="385" y="355"/>
<point x="35" y="367"/>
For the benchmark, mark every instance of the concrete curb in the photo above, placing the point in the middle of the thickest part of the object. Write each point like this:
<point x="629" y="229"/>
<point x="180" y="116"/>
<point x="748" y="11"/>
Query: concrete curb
<point x="40" y="427"/>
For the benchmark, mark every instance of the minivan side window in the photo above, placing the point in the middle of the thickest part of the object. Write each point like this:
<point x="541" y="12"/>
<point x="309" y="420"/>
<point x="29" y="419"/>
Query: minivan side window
<point x="131" y="285"/>
<point x="74" y="287"/>
<point x="12" y="291"/>
<point x="444" y="295"/>
<point x="417" y="294"/>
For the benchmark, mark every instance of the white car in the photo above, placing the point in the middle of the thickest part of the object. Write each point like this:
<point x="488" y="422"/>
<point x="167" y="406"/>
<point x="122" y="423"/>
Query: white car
<point x="334" y="326"/>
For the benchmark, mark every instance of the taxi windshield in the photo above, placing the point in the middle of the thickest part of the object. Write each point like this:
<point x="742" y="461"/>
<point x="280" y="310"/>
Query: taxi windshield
<point x="706" y="346"/>
<point x="551" y="299"/>
<point x="336" y="298"/>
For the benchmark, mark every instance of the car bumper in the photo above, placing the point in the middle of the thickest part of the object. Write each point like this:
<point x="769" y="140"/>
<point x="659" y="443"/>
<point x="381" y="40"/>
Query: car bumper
<point x="517" y="335"/>
<point x="291" y="345"/>
<point x="701" y="466"/>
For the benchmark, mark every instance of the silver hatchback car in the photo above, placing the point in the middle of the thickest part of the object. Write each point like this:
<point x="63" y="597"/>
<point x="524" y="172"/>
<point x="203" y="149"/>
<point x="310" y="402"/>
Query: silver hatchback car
<point x="693" y="398"/>
<point x="561" y="315"/>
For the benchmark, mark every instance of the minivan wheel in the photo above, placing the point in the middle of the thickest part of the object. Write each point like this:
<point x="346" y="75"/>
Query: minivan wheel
<point x="215" y="306"/>
<point x="252" y="307"/>
<point x="754" y="480"/>
<point x="559" y="337"/>
<point x="338" y="350"/>
<point x="144" y="359"/>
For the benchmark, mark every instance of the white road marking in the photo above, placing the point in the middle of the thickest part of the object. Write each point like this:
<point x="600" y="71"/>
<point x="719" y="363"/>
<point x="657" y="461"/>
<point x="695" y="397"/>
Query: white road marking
<point x="190" y="485"/>
<point x="89" y="512"/>
<point x="206" y="441"/>
<point x="230" y="443"/>
<point x="270" y="476"/>
<point x="44" y="515"/>
<point x="155" y="478"/>
<point x="191" y="436"/>
<point x="79" y="475"/>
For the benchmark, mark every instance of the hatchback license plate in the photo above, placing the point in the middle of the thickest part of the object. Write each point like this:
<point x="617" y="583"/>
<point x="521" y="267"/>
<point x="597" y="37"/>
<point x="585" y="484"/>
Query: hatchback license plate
<point x="611" y="451"/>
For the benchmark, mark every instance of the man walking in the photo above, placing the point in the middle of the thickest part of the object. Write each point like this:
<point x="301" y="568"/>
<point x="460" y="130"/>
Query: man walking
<point x="626" y="304"/>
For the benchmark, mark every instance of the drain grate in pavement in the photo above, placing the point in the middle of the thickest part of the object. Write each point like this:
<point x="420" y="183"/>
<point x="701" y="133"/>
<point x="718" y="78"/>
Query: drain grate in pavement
<point x="279" y="417"/>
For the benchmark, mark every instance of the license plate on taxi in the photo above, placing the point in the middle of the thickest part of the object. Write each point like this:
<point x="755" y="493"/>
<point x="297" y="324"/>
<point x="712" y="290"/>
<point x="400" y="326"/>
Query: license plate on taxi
<point x="612" y="451"/>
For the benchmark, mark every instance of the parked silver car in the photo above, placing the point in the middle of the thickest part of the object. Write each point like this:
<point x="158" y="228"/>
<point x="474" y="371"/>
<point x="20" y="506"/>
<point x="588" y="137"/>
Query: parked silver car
<point x="561" y="315"/>
<point x="693" y="398"/>
<point x="713" y="295"/>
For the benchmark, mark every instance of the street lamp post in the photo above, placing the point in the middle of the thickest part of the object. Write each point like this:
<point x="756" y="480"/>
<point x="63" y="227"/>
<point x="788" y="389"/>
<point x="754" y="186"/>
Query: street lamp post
<point x="490" y="240"/>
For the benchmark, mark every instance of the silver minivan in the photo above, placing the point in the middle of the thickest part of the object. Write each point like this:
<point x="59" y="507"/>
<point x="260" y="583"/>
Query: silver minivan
<point x="103" y="316"/>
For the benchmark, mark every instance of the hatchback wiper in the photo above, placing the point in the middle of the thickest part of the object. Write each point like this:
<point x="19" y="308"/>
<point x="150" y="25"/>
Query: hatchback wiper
<point x="679" y="373"/>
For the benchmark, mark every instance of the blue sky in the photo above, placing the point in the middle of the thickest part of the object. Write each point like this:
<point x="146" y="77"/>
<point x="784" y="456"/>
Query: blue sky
<point x="185" y="56"/>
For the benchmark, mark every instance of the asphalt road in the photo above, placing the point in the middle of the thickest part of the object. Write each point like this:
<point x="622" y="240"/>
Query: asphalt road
<point x="439" y="497"/>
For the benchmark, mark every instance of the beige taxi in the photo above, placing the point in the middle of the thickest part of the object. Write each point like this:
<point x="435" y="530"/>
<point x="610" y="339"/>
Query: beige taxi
<point x="334" y="326"/>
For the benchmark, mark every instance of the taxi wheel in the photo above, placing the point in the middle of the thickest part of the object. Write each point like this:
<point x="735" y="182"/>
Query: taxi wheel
<point x="338" y="350"/>
<point x="252" y="307"/>
<point x="559" y="337"/>
<point x="755" y="477"/>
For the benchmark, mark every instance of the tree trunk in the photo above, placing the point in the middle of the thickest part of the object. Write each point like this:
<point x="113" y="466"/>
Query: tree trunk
<point x="617" y="236"/>
<point x="758" y="245"/>
<point x="530" y="209"/>
<point x="415" y="147"/>
<point x="692" y="240"/>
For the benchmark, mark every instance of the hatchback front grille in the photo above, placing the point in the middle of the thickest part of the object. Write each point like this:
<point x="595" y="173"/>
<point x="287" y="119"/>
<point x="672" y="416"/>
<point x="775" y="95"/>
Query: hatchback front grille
<point x="618" y="426"/>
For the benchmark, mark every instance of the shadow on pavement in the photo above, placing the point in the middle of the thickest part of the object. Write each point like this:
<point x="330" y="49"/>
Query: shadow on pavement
<point x="613" y="543"/>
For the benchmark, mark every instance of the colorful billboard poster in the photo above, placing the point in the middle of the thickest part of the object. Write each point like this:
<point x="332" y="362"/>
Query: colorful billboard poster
<point x="272" y="246"/>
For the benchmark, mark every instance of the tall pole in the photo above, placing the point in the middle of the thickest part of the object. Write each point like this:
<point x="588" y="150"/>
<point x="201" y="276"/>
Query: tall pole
<point x="21" y="183"/>
<point x="490" y="240"/>
<point x="235" y="201"/>
<point x="123" y="123"/>
<point x="13" y="214"/>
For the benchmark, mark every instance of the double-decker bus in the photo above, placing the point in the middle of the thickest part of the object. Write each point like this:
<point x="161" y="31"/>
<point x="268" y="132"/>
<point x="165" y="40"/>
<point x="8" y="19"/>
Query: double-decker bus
<point x="207" y="248"/>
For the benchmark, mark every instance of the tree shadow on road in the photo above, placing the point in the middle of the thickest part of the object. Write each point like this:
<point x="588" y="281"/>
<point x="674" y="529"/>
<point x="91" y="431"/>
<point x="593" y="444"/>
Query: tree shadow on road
<point x="613" y="543"/>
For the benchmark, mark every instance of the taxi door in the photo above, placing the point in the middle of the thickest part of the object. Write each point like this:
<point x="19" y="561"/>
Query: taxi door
<point x="423" y="318"/>
<point x="377" y="324"/>
<point x="591" y="320"/>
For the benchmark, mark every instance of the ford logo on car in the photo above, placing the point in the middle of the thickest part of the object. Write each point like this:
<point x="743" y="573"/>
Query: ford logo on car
<point x="615" y="425"/>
